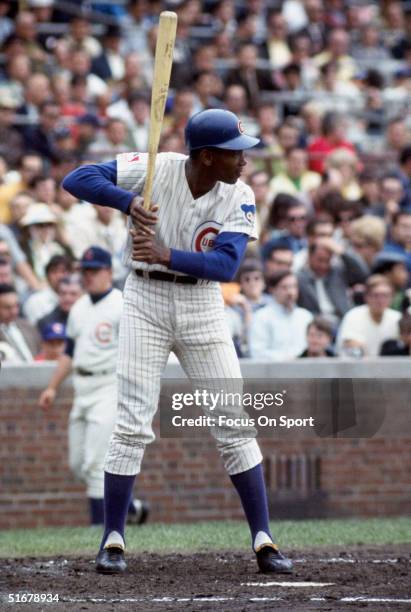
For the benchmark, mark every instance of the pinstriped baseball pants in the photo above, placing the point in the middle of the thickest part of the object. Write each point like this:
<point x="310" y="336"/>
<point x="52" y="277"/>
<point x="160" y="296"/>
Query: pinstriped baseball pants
<point x="159" y="317"/>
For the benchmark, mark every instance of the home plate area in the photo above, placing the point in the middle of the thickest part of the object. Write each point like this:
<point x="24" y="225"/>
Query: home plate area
<point x="376" y="578"/>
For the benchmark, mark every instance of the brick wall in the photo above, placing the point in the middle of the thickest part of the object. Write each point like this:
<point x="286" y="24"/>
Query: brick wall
<point x="184" y="479"/>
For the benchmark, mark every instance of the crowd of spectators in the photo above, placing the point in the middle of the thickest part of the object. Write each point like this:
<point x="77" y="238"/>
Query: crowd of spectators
<point x="326" y="86"/>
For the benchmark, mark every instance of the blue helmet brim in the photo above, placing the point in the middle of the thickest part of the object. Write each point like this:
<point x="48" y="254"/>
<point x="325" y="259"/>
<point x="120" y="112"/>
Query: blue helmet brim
<point x="239" y="143"/>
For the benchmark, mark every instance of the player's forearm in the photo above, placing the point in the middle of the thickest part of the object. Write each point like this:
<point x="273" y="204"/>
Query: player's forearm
<point x="220" y="264"/>
<point x="96" y="183"/>
<point x="61" y="372"/>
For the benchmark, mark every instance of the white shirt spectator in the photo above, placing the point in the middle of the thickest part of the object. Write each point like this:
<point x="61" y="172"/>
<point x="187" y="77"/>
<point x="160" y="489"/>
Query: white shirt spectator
<point x="358" y="325"/>
<point x="278" y="333"/>
<point x="39" y="304"/>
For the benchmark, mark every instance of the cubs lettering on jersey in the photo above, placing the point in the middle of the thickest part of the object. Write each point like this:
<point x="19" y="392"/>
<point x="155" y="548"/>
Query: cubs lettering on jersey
<point x="204" y="236"/>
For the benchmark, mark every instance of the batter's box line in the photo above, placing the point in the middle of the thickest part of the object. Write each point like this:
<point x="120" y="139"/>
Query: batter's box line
<point x="177" y="600"/>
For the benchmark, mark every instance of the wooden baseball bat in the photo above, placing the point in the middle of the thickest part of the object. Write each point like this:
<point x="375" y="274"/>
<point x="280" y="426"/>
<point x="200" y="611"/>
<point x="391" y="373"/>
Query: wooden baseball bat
<point x="163" y="62"/>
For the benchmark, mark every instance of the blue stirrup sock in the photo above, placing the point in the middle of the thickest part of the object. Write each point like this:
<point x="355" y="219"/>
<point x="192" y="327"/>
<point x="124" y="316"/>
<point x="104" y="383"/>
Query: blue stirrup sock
<point x="117" y="495"/>
<point x="250" y="487"/>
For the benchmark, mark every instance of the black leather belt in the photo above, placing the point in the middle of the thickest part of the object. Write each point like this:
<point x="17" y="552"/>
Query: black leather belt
<point x="168" y="278"/>
<point x="81" y="372"/>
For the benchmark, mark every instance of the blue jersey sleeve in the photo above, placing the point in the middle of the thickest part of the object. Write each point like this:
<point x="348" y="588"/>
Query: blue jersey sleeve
<point x="219" y="264"/>
<point x="97" y="183"/>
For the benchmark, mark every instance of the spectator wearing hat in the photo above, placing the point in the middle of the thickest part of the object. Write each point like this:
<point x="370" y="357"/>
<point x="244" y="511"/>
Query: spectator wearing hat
<point x="278" y="331"/>
<point x="21" y="338"/>
<point x="244" y="304"/>
<point x="394" y="267"/>
<point x="320" y="335"/>
<point x="40" y="241"/>
<point x="53" y="340"/>
<point x="399" y="347"/>
<point x="365" y="328"/>
<point x="44" y="301"/>
<point x="11" y="141"/>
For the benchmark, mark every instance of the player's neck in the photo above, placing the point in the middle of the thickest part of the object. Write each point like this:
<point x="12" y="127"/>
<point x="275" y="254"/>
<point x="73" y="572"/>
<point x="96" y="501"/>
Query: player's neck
<point x="197" y="182"/>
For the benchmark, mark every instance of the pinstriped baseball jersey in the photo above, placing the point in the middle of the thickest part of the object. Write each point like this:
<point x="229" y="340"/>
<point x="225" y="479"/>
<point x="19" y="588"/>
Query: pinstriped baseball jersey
<point x="186" y="223"/>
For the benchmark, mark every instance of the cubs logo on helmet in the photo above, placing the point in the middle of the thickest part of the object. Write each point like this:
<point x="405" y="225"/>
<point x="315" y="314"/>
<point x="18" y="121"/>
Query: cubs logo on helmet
<point x="204" y="236"/>
<point x="249" y="212"/>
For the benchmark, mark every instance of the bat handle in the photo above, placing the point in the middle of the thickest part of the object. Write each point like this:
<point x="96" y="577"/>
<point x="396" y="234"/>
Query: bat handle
<point x="148" y="185"/>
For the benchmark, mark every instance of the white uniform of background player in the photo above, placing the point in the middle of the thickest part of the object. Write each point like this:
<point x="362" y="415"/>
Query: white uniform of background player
<point x="160" y="317"/>
<point x="91" y="354"/>
<point x="94" y="328"/>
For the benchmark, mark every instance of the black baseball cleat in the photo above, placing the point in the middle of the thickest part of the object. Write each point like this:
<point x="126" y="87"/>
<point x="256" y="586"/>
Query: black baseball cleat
<point x="111" y="561"/>
<point x="270" y="560"/>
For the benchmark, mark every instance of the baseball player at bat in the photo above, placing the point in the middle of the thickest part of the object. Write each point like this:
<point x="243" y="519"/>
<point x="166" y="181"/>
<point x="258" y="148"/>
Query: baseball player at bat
<point x="91" y="355"/>
<point x="190" y="240"/>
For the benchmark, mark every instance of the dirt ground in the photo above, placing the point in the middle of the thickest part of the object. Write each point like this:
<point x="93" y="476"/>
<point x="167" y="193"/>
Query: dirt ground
<point x="374" y="578"/>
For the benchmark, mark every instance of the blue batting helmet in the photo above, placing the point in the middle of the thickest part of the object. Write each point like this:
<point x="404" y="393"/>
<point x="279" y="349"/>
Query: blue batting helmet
<point x="217" y="128"/>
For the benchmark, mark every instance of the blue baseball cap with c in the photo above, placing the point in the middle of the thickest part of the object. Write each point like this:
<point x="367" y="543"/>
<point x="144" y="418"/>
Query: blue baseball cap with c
<point x="53" y="331"/>
<point x="95" y="258"/>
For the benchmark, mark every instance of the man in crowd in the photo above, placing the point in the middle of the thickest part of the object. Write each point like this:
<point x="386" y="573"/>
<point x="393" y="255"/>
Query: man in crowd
<point x="278" y="331"/>
<point x="248" y="301"/>
<point x="277" y="257"/>
<point x="365" y="328"/>
<point x="69" y="290"/>
<point x="43" y="302"/>
<point x="21" y="337"/>
<point x="402" y="346"/>
<point x="323" y="284"/>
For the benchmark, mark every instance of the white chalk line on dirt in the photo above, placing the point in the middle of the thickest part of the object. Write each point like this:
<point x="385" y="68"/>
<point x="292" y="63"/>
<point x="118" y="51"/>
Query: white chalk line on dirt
<point x="349" y="560"/>
<point x="287" y="584"/>
<point x="347" y="600"/>
<point x="374" y="600"/>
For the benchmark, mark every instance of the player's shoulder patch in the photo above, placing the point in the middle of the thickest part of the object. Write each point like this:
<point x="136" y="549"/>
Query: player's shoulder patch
<point x="249" y="212"/>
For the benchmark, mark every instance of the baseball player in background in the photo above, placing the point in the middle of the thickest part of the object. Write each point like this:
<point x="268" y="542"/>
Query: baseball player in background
<point x="91" y="354"/>
<point x="193" y="238"/>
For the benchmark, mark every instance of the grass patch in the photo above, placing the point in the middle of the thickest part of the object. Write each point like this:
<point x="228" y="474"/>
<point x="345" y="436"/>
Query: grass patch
<point x="205" y="536"/>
